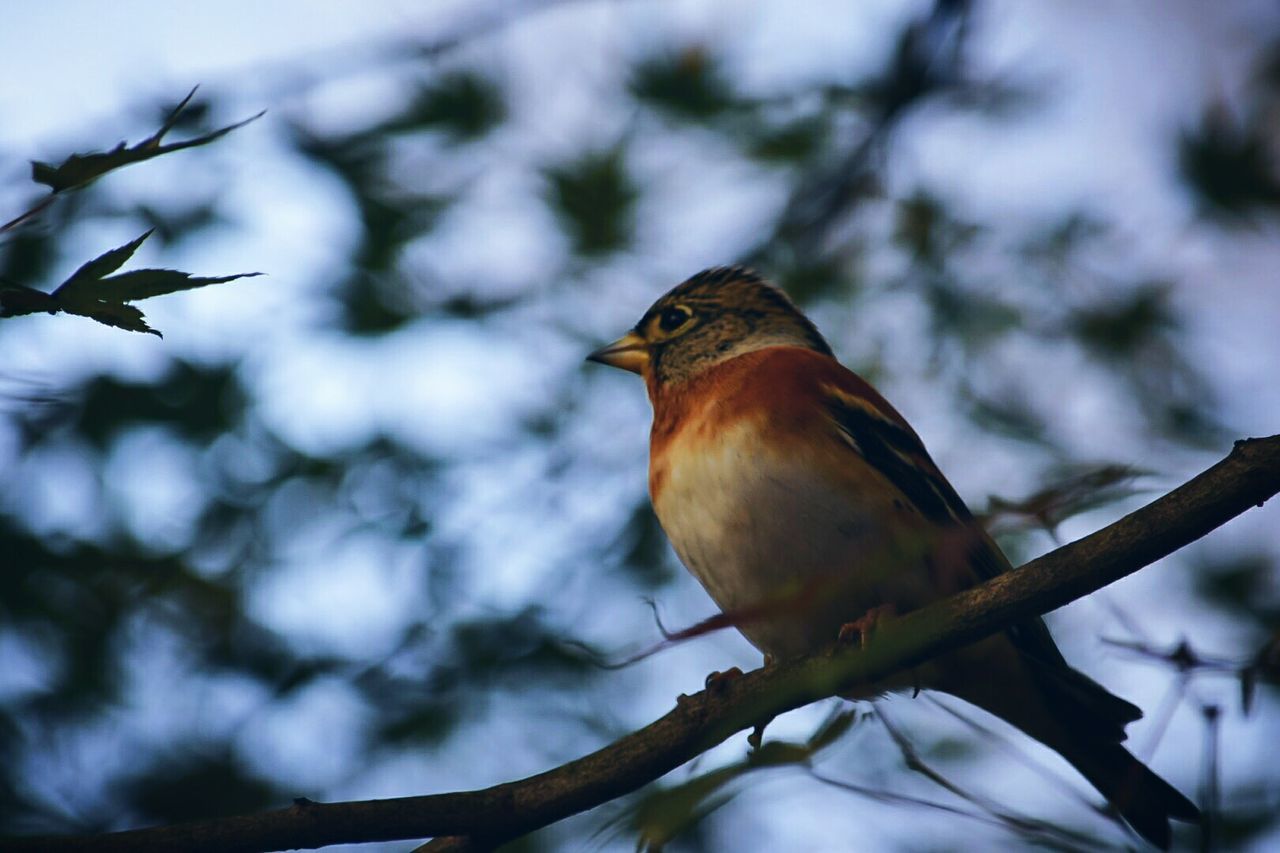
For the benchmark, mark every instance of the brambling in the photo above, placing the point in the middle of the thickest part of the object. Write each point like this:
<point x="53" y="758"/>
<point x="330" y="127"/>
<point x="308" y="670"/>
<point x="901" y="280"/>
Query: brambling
<point x="806" y="505"/>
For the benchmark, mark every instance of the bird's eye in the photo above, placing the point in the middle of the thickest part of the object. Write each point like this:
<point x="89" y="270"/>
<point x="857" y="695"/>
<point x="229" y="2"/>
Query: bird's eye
<point x="673" y="318"/>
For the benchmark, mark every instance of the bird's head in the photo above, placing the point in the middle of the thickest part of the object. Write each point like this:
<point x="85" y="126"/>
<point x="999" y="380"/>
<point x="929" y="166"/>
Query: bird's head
<point x="717" y="315"/>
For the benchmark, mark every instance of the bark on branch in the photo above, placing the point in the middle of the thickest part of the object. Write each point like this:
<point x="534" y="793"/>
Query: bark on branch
<point x="479" y="819"/>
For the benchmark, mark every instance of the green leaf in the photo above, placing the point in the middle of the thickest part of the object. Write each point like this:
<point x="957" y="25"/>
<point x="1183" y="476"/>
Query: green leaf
<point x="103" y="265"/>
<point x="93" y="292"/>
<point x="925" y="228"/>
<point x="595" y="200"/>
<point x="832" y="729"/>
<point x="688" y="85"/>
<point x="16" y="299"/>
<point x="1073" y="489"/>
<point x="1122" y="327"/>
<point x="143" y="284"/>
<point x="79" y="169"/>
<point x="465" y="104"/>
<point x="794" y="142"/>
<point x="189" y="786"/>
<point x="1229" y="167"/>
<point x="110" y="314"/>
<point x="663" y="814"/>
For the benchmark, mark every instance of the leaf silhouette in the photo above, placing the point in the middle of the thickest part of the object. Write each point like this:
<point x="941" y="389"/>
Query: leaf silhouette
<point x="91" y="291"/>
<point x="103" y="265"/>
<point x="79" y="169"/>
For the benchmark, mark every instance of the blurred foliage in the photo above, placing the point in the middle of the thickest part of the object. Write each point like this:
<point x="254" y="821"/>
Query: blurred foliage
<point x="373" y="295"/>
<point x="464" y="104"/>
<point x="664" y="814"/>
<point x="1231" y="167"/>
<point x="688" y="86"/>
<point x="595" y="199"/>
<point x="1245" y="586"/>
<point x="1074" y="489"/>
<point x="186" y="788"/>
<point x="120" y="626"/>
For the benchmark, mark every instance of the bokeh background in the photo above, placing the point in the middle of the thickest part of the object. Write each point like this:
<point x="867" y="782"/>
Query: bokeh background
<point x="367" y="526"/>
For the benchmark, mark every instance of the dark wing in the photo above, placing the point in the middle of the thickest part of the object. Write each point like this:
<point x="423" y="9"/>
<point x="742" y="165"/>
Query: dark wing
<point x="883" y="439"/>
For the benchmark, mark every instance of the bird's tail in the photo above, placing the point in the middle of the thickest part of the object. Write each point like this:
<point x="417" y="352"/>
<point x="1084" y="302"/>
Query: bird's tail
<point x="1143" y="799"/>
<point x="1080" y="720"/>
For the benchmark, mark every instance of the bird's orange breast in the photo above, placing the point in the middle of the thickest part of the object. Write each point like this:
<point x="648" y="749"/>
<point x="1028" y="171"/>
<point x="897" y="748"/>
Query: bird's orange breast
<point x="763" y="499"/>
<point x="781" y="388"/>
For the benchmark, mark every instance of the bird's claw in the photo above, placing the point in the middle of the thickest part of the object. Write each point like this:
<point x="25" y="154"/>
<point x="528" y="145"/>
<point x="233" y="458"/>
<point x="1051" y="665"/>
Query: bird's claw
<point x="862" y="628"/>
<point x="717" y="681"/>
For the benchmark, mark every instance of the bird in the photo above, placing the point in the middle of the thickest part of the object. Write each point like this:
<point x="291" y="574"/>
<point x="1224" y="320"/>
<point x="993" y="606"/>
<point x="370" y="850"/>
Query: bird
<point x="810" y="510"/>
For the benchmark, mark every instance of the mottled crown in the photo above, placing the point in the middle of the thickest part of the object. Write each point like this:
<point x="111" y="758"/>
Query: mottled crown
<point x="716" y="315"/>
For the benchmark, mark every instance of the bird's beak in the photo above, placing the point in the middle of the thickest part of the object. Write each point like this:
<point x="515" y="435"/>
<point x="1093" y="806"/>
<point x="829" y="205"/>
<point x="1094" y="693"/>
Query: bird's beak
<point x="629" y="352"/>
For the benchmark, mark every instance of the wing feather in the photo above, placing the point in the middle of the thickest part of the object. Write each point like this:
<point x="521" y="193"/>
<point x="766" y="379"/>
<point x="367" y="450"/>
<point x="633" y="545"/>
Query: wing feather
<point x="883" y="439"/>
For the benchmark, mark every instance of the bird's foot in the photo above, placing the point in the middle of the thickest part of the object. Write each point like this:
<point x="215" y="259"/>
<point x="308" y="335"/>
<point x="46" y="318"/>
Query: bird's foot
<point x="862" y="628"/>
<point x="717" y="681"/>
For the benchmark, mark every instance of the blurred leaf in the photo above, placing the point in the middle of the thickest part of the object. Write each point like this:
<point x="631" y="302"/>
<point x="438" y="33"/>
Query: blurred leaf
<point x="197" y="401"/>
<point x="595" y="200"/>
<point x="665" y="814"/>
<point x="926" y="61"/>
<point x="645" y="554"/>
<point x="179" y="221"/>
<point x="794" y="142"/>
<point x="1062" y="239"/>
<point x="464" y="103"/>
<point x="475" y="306"/>
<point x="950" y="749"/>
<point x="376" y="295"/>
<point x="1073" y="489"/>
<point x="687" y="85"/>
<point x="427" y="724"/>
<point x="972" y="319"/>
<point x="79" y="169"/>
<point x="1248" y="818"/>
<point x="27" y="255"/>
<point x="1243" y="586"/>
<point x="520" y="641"/>
<point x="662" y="815"/>
<point x="836" y="726"/>
<point x="1010" y="415"/>
<point x="1265" y="666"/>
<point x="79" y="598"/>
<point x="199" y="786"/>
<point x="925" y="228"/>
<point x="1229" y="166"/>
<point x="1131" y="321"/>
<point x="1134" y="333"/>
<point x="810" y="279"/>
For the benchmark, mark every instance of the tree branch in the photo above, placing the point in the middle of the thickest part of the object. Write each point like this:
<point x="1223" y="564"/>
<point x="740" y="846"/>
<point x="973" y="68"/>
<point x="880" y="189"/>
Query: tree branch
<point x="480" y="819"/>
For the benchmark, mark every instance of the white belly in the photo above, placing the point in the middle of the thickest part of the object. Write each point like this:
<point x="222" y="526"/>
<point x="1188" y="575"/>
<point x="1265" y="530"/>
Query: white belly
<point x="781" y="545"/>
